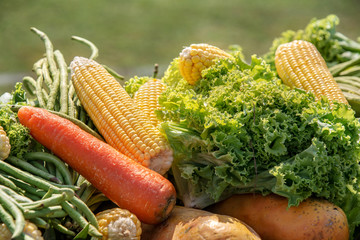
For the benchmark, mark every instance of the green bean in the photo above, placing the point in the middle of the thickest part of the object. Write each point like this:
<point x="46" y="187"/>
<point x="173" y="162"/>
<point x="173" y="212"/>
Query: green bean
<point x="77" y="217"/>
<point x="50" y="158"/>
<point x="41" y="92"/>
<point x="41" y="223"/>
<point x="15" y="212"/>
<point x="59" y="227"/>
<point x="55" y="199"/>
<point x="37" y="164"/>
<point x="30" y="85"/>
<point x="15" y="195"/>
<point x="63" y="186"/>
<point x="48" y="48"/>
<point x="39" y="82"/>
<point x="53" y="94"/>
<point x="31" y="169"/>
<point x="7" y="218"/>
<point x="64" y="88"/>
<point x="32" y="196"/>
<point x="71" y="107"/>
<point x="94" y="49"/>
<point x="29" y="178"/>
<point x="59" y="175"/>
<point x="7" y="182"/>
<point x="83" y="115"/>
<point x="338" y="68"/>
<point x="51" y="168"/>
<point x="48" y="194"/>
<point x="46" y="74"/>
<point x="81" y="189"/>
<point x="85" y="210"/>
<point x="48" y="212"/>
<point x="72" y="92"/>
<point x="30" y="191"/>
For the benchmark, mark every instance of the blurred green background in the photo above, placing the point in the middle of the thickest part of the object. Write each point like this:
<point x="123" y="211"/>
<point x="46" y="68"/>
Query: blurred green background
<point x="134" y="35"/>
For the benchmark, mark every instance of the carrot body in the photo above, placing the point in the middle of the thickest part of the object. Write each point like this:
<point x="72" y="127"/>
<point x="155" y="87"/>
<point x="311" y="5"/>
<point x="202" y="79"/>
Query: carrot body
<point x="145" y="193"/>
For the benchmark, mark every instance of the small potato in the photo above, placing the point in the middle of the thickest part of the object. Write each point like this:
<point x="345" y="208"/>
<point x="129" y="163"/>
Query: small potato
<point x="194" y="224"/>
<point x="269" y="216"/>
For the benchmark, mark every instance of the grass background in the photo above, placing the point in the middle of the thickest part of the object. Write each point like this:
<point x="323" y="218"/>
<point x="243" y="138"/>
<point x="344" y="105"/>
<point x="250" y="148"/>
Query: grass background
<point x="134" y="35"/>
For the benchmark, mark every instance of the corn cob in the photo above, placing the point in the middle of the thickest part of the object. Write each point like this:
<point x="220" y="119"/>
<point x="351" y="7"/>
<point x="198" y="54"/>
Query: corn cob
<point x="197" y="57"/>
<point x="146" y="99"/>
<point x="117" y="223"/>
<point x="4" y="144"/>
<point x="300" y="65"/>
<point x="30" y="230"/>
<point x="114" y="114"/>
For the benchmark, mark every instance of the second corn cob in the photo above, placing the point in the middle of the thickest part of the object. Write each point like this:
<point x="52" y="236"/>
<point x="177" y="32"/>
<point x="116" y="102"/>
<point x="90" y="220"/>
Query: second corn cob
<point x="114" y="114"/>
<point x="146" y="99"/>
<point x="300" y="65"/>
<point x="197" y="57"/>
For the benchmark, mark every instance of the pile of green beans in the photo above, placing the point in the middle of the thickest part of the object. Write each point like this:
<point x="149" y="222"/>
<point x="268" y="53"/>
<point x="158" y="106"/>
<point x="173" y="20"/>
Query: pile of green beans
<point x="40" y="188"/>
<point x="52" y="89"/>
<point x="347" y="76"/>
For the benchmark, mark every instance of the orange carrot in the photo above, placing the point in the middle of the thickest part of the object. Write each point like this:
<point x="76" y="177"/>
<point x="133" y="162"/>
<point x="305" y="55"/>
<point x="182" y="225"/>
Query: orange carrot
<point x="145" y="193"/>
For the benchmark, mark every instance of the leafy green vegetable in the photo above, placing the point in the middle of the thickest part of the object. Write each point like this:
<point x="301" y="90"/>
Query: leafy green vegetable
<point x="239" y="129"/>
<point x="334" y="46"/>
<point x="19" y="136"/>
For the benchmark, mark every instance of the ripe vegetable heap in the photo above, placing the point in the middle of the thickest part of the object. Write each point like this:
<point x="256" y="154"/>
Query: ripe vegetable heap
<point x="218" y="147"/>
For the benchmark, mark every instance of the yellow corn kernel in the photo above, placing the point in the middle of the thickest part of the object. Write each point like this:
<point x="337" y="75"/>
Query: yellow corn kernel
<point x="197" y="57"/>
<point x="30" y="230"/>
<point x="118" y="224"/>
<point x="4" y="144"/>
<point x="115" y="115"/>
<point x="300" y="65"/>
<point x="146" y="99"/>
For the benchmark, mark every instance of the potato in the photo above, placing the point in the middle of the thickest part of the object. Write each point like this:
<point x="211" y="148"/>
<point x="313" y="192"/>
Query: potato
<point x="194" y="224"/>
<point x="269" y="216"/>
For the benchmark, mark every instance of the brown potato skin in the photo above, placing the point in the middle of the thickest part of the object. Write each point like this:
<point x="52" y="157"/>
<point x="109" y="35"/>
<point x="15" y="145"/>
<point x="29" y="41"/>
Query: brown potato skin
<point x="194" y="224"/>
<point x="313" y="219"/>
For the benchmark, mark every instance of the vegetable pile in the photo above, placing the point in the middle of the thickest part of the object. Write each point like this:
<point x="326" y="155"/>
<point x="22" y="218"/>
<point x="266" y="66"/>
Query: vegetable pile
<point x="217" y="147"/>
